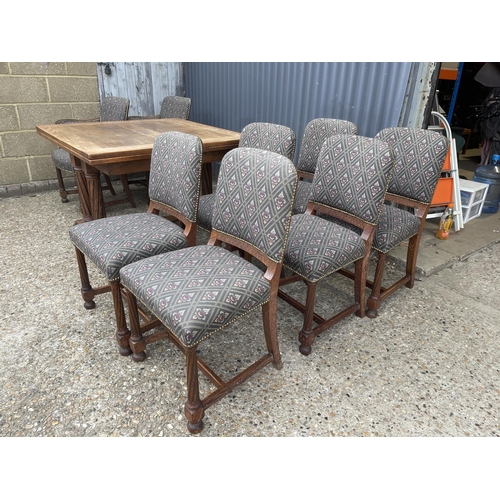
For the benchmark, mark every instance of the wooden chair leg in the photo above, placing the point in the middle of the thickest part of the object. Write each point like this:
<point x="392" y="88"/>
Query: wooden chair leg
<point x="373" y="302"/>
<point x="109" y="185"/>
<point x="306" y="335"/>
<point x="136" y="340"/>
<point x="193" y="409"/>
<point x="122" y="333"/>
<point x="87" y="290"/>
<point x="126" y="188"/>
<point x="269" y="315"/>
<point x="62" y="189"/>
<point x="411" y="259"/>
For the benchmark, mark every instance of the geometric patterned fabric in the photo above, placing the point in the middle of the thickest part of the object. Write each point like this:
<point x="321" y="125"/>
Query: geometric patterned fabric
<point x="394" y="226"/>
<point x="114" y="242"/>
<point x="175" y="173"/>
<point x="252" y="200"/>
<point x="317" y="247"/>
<point x="198" y="290"/>
<point x="175" y="107"/>
<point x="420" y="155"/>
<point x="260" y="135"/>
<point x="302" y="197"/>
<point x="351" y="175"/>
<point x="114" y="109"/>
<point x="315" y="133"/>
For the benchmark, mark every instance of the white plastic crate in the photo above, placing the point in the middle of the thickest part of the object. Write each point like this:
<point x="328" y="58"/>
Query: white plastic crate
<point x="472" y="195"/>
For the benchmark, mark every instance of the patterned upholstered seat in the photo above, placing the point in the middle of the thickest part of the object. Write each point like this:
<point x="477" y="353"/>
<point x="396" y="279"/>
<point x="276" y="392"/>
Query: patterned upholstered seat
<point x="420" y="155"/>
<point x="259" y="135"/>
<point x="172" y="106"/>
<point x="198" y="291"/>
<point x="349" y="184"/>
<point x="315" y="133"/>
<point x="112" y="243"/>
<point x="112" y="109"/>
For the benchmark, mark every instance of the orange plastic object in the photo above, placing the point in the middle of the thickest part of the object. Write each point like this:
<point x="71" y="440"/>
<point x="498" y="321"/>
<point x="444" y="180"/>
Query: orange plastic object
<point x="443" y="195"/>
<point x="447" y="162"/>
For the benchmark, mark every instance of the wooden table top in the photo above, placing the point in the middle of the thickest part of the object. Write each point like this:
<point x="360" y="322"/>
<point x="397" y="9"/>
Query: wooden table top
<point x="110" y="142"/>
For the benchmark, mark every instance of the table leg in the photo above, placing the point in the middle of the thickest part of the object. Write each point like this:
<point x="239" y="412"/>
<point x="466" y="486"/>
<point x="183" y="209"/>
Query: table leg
<point x="93" y="179"/>
<point x="83" y="193"/>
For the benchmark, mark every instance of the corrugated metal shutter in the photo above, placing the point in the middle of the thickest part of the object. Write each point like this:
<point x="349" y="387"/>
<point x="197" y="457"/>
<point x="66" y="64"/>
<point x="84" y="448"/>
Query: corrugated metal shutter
<point x="233" y="94"/>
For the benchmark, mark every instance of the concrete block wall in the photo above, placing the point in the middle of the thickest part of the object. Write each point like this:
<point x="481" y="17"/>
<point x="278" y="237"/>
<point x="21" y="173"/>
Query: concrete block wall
<point x="33" y="94"/>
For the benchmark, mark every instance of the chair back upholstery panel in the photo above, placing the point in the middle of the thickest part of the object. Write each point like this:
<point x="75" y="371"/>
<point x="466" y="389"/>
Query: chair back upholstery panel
<point x="114" y="109"/>
<point x="420" y="155"/>
<point x="175" y="107"/>
<point x="175" y="173"/>
<point x="270" y="137"/>
<point x="254" y="199"/>
<point x="352" y="175"/>
<point x="315" y="133"/>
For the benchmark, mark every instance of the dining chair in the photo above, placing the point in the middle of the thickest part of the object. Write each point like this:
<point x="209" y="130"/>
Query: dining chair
<point x="171" y="107"/>
<point x="114" y="242"/>
<point x="420" y="155"/>
<point x="111" y="109"/>
<point x="315" y="133"/>
<point x="260" y="135"/>
<point x="349" y="185"/>
<point x="200" y="291"/>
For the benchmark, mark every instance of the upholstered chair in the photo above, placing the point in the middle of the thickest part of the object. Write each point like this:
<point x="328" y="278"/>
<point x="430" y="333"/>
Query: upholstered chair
<point x="349" y="184"/>
<point x="112" y="109"/>
<point x="114" y="242"/>
<point x="201" y="291"/>
<point x="171" y="107"/>
<point x="315" y="133"/>
<point x="261" y="135"/>
<point x="420" y="155"/>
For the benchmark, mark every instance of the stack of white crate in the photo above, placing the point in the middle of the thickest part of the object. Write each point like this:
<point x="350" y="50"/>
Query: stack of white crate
<point x="472" y="195"/>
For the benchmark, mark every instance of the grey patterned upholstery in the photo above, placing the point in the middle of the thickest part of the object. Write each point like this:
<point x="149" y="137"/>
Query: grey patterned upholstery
<point x="171" y="107"/>
<point x="199" y="290"/>
<point x="114" y="242"/>
<point x="112" y="109"/>
<point x="260" y="135"/>
<point x="394" y="226"/>
<point x="420" y="155"/>
<point x="351" y="176"/>
<point x="315" y="133"/>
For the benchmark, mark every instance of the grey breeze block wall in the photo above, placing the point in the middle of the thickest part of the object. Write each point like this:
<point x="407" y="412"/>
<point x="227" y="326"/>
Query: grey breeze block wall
<point x="34" y="94"/>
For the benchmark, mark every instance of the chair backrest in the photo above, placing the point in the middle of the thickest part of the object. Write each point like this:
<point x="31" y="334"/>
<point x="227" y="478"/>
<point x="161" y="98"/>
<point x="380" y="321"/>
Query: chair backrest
<point x="254" y="199"/>
<point x="419" y="159"/>
<point x="175" y="174"/>
<point x="270" y="137"/>
<point x="175" y="107"/>
<point x="114" y="109"/>
<point x="351" y="177"/>
<point x="315" y="133"/>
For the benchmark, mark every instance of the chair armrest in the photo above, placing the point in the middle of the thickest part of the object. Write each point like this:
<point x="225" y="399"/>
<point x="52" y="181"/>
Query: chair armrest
<point x="74" y="120"/>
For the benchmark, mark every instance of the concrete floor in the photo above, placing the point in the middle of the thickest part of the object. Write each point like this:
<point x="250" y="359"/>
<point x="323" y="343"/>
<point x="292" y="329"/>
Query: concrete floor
<point x="427" y="366"/>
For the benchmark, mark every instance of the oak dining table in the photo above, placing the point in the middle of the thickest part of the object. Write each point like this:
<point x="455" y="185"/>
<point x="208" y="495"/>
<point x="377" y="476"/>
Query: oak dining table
<point x="125" y="147"/>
